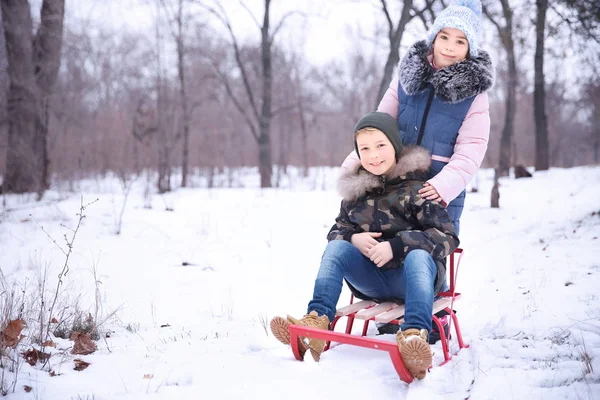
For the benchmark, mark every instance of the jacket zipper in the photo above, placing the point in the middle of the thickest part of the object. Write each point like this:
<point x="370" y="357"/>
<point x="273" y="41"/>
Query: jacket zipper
<point x="383" y="179"/>
<point x="424" y="120"/>
<point x="375" y="215"/>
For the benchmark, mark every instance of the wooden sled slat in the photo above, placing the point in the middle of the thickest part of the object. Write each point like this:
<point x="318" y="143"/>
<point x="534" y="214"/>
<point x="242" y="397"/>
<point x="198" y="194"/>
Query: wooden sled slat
<point x="398" y="312"/>
<point x="373" y="311"/>
<point x="354" y="307"/>
<point x="391" y="315"/>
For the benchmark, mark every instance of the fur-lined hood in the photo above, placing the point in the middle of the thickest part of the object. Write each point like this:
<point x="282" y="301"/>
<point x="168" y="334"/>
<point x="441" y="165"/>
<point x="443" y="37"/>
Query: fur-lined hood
<point x="452" y="84"/>
<point x="354" y="183"/>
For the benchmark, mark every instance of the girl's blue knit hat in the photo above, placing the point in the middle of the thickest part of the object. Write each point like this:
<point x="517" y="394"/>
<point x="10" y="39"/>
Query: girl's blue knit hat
<point x="461" y="14"/>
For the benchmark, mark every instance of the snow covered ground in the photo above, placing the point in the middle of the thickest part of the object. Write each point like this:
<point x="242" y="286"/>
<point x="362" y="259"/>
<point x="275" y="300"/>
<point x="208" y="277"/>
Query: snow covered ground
<point x="194" y="278"/>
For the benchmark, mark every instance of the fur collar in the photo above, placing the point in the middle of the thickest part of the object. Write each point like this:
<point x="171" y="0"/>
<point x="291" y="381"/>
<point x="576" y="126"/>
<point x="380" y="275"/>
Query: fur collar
<point x="353" y="184"/>
<point x="452" y="84"/>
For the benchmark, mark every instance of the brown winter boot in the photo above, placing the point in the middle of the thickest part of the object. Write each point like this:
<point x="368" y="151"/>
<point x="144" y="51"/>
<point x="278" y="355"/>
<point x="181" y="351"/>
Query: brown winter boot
<point x="280" y="329"/>
<point x="415" y="351"/>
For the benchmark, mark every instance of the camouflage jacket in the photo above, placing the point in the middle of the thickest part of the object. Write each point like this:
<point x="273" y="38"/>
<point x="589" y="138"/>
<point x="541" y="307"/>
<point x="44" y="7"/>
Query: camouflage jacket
<point x="392" y="205"/>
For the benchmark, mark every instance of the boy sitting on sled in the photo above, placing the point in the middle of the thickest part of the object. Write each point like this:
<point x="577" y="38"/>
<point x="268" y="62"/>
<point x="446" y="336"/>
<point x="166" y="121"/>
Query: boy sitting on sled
<point x="388" y="242"/>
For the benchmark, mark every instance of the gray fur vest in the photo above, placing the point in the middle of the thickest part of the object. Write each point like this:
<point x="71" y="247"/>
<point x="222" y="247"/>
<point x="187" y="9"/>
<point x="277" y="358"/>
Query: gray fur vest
<point x="452" y="84"/>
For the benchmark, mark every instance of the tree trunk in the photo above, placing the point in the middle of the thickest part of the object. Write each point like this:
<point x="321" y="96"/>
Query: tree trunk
<point x="298" y="97"/>
<point x="395" y="38"/>
<point x="542" y="161"/>
<point x="304" y="132"/>
<point x="495" y="196"/>
<point x="33" y="64"/>
<point x="509" y="117"/>
<point x="595" y="124"/>
<point x="23" y="171"/>
<point x="511" y="90"/>
<point x="184" y="98"/>
<point x="597" y="143"/>
<point x="264" y="143"/>
<point x="3" y="61"/>
<point x="257" y="116"/>
<point x="164" y="170"/>
<point x="264" y="159"/>
<point x="163" y="146"/>
<point x="46" y="57"/>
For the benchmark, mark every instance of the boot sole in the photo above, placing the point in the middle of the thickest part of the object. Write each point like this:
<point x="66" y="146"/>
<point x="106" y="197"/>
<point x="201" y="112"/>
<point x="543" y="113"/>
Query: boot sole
<point x="417" y="357"/>
<point x="280" y="327"/>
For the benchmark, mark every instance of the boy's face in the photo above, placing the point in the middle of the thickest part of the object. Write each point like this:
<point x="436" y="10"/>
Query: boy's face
<point x="376" y="152"/>
<point x="450" y="46"/>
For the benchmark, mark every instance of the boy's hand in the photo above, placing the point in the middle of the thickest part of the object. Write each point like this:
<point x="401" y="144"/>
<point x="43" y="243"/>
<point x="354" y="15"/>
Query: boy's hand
<point x="365" y="241"/>
<point x="381" y="253"/>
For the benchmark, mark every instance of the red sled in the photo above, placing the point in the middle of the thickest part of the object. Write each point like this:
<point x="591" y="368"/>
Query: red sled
<point x="366" y="310"/>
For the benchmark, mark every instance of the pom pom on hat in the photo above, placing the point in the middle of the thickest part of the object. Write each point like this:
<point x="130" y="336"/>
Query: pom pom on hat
<point x="461" y="14"/>
<point x="474" y="5"/>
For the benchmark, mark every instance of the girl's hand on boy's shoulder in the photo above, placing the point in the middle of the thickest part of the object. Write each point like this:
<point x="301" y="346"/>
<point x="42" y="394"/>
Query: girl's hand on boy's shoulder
<point x="428" y="192"/>
<point x="381" y="254"/>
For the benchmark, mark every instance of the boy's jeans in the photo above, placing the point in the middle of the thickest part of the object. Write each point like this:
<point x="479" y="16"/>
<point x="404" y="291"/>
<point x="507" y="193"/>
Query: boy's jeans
<point x="413" y="282"/>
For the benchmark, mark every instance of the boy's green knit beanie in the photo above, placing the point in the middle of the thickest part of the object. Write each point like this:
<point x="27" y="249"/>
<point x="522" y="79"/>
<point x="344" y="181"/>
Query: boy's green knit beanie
<point x="386" y="124"/>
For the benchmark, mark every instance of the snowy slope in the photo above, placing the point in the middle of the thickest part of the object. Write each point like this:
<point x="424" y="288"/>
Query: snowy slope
<point x="530" y="276"/>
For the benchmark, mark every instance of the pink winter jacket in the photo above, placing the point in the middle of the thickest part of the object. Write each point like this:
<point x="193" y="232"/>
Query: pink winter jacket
<point x="469" y="150"/>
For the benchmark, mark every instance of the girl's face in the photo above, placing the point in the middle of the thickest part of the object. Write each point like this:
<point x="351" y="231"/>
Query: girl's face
<point x="449" y="47"/>
<point x="377" y="154"/>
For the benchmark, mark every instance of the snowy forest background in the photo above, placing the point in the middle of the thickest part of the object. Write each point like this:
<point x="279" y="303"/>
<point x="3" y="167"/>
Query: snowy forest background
<point x="151" y="152"/>
<point x="194" y="87"/>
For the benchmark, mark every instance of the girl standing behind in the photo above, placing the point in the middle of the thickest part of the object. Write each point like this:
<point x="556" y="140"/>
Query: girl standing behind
<point x="439" y="99"/>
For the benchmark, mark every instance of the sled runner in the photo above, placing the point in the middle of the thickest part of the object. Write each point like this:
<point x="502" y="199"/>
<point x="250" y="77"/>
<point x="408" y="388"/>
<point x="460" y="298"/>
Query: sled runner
<point x="366" y="310"/>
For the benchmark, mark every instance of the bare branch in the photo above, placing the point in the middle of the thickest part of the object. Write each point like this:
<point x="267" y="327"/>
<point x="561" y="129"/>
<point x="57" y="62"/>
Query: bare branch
<point x="234" y="99"/>
<point x="388" y="18"/>
<point x="171" y="19"/>
<point x="416" y="13"/>
<point x="238" y="57"/>
<point x="573" y="28"/>
<point x="245" y="7"/>
<point x="506" y="11"/>
<point x="281" y="22"/>
<point x="492" y="19"/>
<point x="285" y="108"/>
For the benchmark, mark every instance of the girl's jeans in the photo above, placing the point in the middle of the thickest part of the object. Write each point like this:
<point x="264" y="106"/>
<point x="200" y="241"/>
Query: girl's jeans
<point x="412" y="283"/>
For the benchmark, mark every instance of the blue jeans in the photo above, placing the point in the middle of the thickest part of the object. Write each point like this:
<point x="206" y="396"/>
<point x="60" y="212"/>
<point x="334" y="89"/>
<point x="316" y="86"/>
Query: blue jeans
<point x="412" y="283"/>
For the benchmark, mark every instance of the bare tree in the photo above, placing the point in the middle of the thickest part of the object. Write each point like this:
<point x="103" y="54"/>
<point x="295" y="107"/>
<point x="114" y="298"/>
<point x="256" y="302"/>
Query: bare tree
<point x="302" y="114"/>
<point x="183" y="95"/>
<point x="178" y="35"/>
<point x="3" y="92"/>
<point x="593" y="94"/>
<point x="351" y="85"/>
<point x="259" y="117"/>
<point x="504" y="25"/>
<point x="495" y="196"/>
<point x="3" y="62"/>
<point x="591" y="101"/>
<point x="586" y="18"/>
<point x="33" y="65"/>
<point x="395" y="33"/>
<point x="167" y="132"/>
<point x="542" y="148"/>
